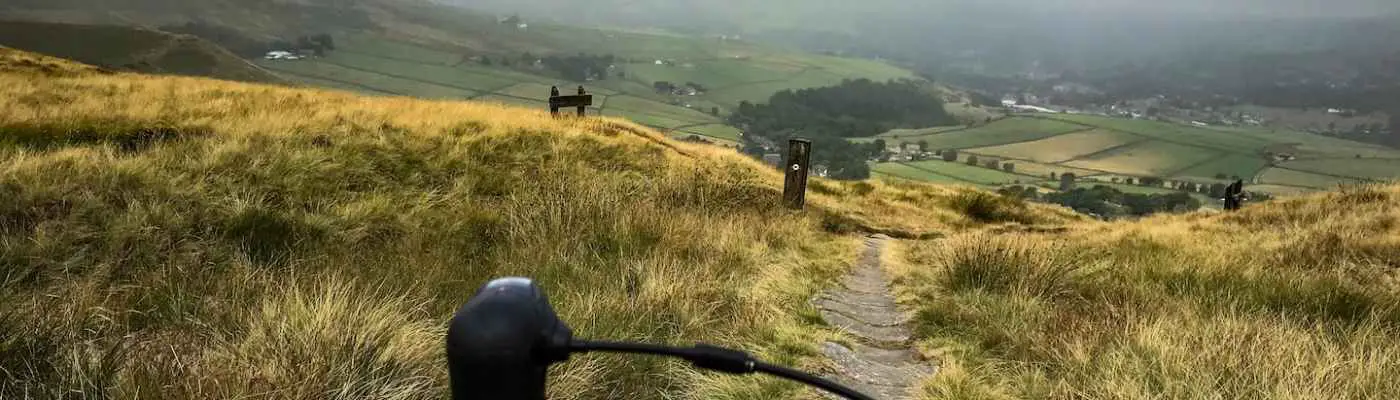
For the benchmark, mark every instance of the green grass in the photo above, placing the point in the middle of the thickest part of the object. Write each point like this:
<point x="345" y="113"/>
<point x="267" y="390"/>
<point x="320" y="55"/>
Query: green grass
<point x="652" y="120"/>
<point x="1244" y="166"/>
<point x="1309" y="145"/>
<point x="397" y="85"/>
<point x="1180" y="134"/>
<point x="1152" y="158"/>
<point x="903" y="133"/>
<point x="977" y="174"/>
<point x="121" y="47"/>
<point x="1359" y="168"/>
<point x="629" y="105"/>
<point x="760" y="92"/>
<point x="1004" y="131"/>
<point x="372" y="64"/>
<point x="720" y="131"/>
<point x="1062" y="147"/>
<point x="1044" y="170"/>
<point x="1282" y="176"/>
<point x="917" y="174"/>
<point x="711" y="73"/>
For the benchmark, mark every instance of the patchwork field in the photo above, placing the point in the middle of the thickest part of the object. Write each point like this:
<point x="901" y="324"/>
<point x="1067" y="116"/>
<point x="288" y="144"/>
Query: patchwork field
<point x="1044" y="170"/>
<point x="1371" y="168"/>
<point x="1288" y="177"/>
<point x="1168" y="132"/>
<point x="1006" y="131"/>
<point x="732" y="71"/>
<point x="907" y="172"/>
<point x="969" y="173"/>
<point x="1229" y="165"/>
<point x="1104" y="147"/>
<point x="1153" y="158"/>
<point x="1061" y="148"/>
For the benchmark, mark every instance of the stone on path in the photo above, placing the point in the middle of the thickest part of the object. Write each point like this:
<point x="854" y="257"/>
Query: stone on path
<point x="881" y="363"/>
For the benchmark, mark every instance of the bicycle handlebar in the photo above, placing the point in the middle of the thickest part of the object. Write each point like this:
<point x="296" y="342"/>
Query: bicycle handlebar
<point x="501" y="343"/>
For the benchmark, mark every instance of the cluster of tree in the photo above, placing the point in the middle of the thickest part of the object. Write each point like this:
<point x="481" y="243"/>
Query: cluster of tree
<point x="581" y="67"/>
<point x="1109" y="203"/>
<point x="856" y="108"/>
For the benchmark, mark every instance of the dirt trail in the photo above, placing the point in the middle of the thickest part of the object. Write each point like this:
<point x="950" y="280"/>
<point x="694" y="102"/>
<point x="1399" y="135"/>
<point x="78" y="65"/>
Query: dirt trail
<point x="881" y="363"/>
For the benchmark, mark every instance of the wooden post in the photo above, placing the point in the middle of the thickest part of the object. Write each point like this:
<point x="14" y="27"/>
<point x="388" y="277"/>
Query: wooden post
<point x="582" y="101"/>
<point x="798" y="163"/>
<point x="553" y="106"/>
<point x="582" y="109"/>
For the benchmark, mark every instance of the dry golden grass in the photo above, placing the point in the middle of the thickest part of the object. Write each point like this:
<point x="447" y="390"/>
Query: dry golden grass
<point x="1293" y="299"/>
<point x="170" y="238"/>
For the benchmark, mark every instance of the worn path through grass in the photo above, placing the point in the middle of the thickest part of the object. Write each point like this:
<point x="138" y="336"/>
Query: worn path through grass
<point x="880" y="363"/>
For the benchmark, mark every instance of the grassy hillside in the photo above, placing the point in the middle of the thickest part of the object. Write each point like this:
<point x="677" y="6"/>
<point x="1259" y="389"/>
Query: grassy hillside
<point x="1295" y="299"/>
<point x="184" y="238"/>
<point x="732" y="71"/>
<point x="133" y="49"/>
<point x="1102" y="147"/>
<point x="417" y="48"/>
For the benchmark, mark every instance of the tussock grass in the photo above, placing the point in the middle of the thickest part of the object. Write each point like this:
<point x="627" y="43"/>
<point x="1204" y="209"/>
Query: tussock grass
<point x="182" y="238"/>
<point x="1290" y="299"/>
<point x="279" y="243"/>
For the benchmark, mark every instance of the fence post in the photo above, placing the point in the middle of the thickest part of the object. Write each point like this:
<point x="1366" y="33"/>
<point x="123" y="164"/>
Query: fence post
<point x="799" y="159"/>
<point x="553" y="107"/>
<point x="582" y="109"/>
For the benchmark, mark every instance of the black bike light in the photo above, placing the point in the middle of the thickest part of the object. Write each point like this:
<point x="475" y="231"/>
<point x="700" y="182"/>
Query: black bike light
<point x="502" y="342"/>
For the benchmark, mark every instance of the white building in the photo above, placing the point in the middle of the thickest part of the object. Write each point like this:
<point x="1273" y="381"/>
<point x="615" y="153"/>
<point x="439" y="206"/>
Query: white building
<point x="281" y="55"/>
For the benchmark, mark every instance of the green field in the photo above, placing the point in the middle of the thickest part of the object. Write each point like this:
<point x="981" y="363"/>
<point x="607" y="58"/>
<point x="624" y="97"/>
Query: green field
<point x="1000" y="132"/>
<point x="1230" y="165"/>
<point x="1044" y="170"/>
<point x="968" y="173"/>
<point x="911" y="173"/>
<point x="1307" y="145"/>
<point x="1061" y="148"/>
<point x="909" y="133"/>
<point x="1152" y="158"/>
<point x="1168" y="132"/>
<point x="1106" y="147"/>
<point x="719" y="131"/>
<point x="1288" y="177"/>
<point x="1369" y="168"/>
<point x="732" y="71"/>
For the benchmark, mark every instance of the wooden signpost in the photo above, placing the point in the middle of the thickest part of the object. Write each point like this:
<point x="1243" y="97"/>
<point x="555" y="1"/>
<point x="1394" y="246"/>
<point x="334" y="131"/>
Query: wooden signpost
<point x="799" y="159"/>
<point x="582" y="101"/>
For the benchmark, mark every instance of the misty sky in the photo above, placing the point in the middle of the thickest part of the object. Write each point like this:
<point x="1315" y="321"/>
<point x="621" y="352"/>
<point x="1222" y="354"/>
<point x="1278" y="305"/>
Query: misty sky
<point x="1159" y="8"/>
<point x="1289" y="8"/>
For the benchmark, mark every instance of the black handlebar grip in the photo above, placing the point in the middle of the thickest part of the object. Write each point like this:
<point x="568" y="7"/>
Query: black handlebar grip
<point x="502" y="342"/>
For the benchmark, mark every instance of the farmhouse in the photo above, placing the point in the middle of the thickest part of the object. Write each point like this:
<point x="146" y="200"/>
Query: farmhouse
<point x="281" y="55"/>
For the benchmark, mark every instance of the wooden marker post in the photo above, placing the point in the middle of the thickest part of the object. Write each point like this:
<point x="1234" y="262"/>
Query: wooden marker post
<point x="799" y="159"/>
<point x="553" y="94"/>
<point x="582" y="101"/>
<point x="583" y="108"/>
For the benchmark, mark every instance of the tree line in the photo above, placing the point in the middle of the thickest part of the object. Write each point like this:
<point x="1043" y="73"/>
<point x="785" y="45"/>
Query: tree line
<point x="1106" y="202"/>
<point x="828" y="116"/>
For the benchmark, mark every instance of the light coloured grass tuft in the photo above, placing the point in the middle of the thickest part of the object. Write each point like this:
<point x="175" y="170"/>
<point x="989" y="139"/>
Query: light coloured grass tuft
<point x="1293" y="299"/>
